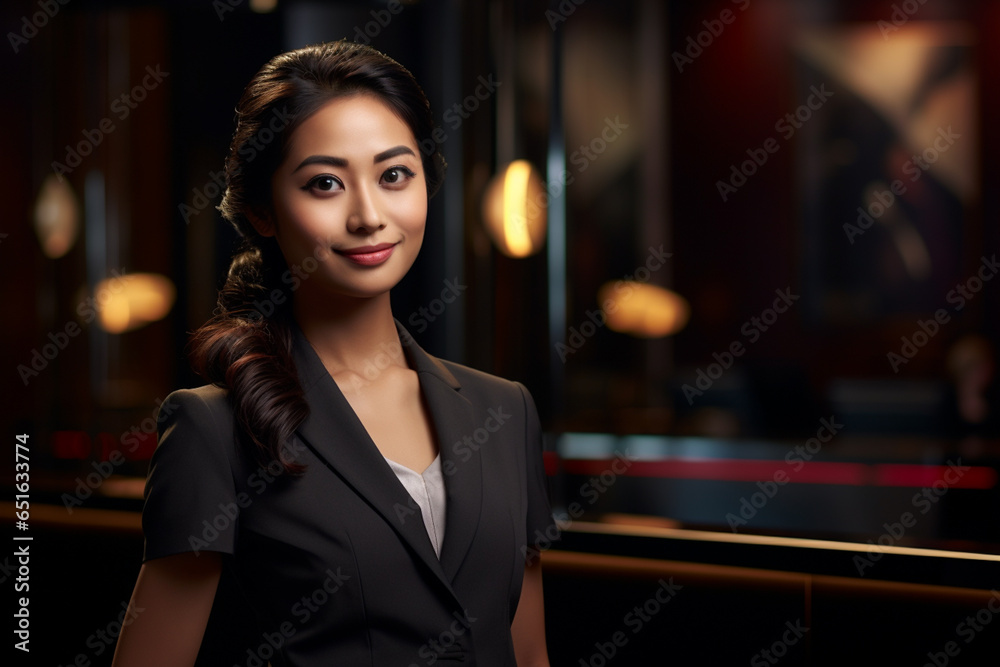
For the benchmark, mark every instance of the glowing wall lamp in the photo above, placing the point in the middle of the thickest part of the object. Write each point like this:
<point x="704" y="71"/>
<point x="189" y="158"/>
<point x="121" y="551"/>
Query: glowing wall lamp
<point x="57" y="217"/>
<point x="133" y="300"/>
<point x="514" y="210"/>
<point x="263" y="6"/>
<point x="643" y="310"/>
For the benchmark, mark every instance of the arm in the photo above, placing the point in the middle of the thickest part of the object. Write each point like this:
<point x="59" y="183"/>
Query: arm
<point x="168" y="611"/>
<point x="528" y="628"/>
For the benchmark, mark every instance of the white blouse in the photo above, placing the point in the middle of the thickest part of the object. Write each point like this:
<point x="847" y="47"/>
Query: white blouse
<point x="427" y="490"/>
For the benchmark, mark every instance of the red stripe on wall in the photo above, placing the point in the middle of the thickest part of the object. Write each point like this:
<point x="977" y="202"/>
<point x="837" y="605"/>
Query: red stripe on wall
<point x="801" y="472"/>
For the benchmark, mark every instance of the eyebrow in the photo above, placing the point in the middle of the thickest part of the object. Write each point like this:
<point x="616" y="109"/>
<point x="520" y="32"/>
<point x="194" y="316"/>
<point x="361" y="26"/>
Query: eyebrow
<point x="391" y="153"/>
<point x="342" y="162"/>
<point x="322" y="159"/>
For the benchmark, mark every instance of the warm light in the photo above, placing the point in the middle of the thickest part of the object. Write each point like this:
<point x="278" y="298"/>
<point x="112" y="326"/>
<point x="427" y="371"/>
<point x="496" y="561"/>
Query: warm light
<point x="57" y="217"/>
<point x="130" y="301"/>
<point x="643" y="310"/>
<point x="514" y="210"/>
<point x="771" y="540"/>
<point x="263" y="6"/>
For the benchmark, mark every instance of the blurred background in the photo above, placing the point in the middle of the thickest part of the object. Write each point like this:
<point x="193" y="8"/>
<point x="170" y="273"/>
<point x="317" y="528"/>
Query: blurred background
<point x="741" y="252"/>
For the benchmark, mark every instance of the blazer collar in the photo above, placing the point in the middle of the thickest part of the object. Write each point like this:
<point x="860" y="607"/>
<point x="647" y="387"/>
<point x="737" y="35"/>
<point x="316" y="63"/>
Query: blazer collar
<point x="422" y="362"/>
<point x="336" y="435"/>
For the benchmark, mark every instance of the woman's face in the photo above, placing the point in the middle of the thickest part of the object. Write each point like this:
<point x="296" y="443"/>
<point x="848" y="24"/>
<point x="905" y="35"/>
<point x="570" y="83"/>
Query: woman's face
<point x="349" y="200"/>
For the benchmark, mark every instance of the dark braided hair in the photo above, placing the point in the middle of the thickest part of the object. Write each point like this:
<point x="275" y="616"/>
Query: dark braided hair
<point x="247" y="348"/>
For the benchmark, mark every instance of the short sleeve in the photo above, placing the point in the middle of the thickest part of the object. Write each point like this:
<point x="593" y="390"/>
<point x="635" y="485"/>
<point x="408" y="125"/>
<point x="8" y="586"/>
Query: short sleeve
<point x="541" y="527"/>
<point x="190" y="496"/>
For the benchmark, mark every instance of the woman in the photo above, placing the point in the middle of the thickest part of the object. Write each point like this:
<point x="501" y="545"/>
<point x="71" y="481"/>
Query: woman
<point x="337" y="496"/>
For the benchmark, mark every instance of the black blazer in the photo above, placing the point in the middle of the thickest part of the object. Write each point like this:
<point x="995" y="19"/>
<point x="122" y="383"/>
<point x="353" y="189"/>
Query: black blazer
<point x="335" y="567"/>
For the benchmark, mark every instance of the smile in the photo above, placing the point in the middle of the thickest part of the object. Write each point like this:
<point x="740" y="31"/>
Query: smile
<point x="369" y="255"/>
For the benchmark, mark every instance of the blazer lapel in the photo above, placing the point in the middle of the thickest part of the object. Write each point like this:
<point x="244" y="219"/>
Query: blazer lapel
<point x="454" y="422"/>
<point x="336" y="435"/>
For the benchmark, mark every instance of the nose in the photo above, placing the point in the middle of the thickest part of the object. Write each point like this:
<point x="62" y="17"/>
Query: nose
<point x="364" y="216"/>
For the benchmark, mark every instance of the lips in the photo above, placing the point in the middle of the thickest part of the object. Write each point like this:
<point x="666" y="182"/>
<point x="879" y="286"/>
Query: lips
<point x="369" y="255"/>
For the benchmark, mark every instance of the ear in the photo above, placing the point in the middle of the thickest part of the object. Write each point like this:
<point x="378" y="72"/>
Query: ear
<point x="262" y="221"/>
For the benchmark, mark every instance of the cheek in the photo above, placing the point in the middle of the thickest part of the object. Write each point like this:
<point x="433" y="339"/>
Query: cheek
<point x="411" y="213"/>
<point x="303" y="217"/>
<point x="418" y="221"/>
<point x="300" y="231"/>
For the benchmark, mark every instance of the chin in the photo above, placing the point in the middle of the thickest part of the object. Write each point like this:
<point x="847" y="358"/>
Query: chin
<point x="366" y="290"/>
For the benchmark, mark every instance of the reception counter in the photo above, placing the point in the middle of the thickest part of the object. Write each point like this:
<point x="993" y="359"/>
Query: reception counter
<point x="694" y="551"/>
<point x="637" y="594"/>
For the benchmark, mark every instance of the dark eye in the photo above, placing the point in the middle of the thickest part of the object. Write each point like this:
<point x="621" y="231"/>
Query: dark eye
<point x="397" y="175"/>
<point x="324" y="183"/>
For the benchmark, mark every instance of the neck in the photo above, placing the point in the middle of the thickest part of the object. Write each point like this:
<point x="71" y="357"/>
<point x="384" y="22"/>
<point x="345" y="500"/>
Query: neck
<point x="353" y="334"/>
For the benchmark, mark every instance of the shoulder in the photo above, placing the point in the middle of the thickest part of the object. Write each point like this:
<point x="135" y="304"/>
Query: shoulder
<point x="470" y="382"/>
<point x="473" y="377"/>
<point x="201" y="410"/>
<point x="493" y="388"/>
<point x="207" y="398"/>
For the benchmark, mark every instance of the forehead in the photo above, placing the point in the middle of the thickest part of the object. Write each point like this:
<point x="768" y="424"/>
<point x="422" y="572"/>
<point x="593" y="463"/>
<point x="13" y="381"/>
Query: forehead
<point x="355" y="125"/>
